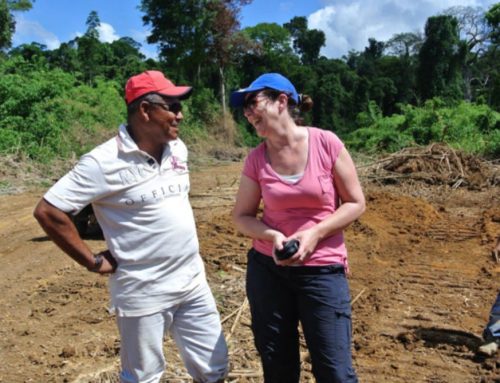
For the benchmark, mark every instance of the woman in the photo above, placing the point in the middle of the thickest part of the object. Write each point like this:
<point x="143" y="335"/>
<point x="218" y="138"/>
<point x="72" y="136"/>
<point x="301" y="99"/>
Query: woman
<point x="311" y="192"/>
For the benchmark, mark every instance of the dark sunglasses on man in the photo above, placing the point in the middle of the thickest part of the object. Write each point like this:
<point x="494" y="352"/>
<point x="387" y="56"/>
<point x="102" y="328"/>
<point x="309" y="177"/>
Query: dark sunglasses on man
<point x="175" y="107"/>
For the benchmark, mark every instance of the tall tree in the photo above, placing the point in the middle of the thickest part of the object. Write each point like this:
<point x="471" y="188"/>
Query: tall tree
<point x="271" y="51"/>
<point x="404" y="44"/>
<point x="179" y="27"/>
<point x="493" y="19"/>
<point x="194" y="33"/>
<point x="475" y="35"/>
<point x="91" y="51"/>
<point x="7" y="21"/>
<point x="225" y="40"/>
<point x="440" y="59"/>
<point x="490" y="60"/>
<point x="374" y="50"/>
<point x="306" y="42"/>
<point x="93" y="23"/>
<point x="334" y="106"/>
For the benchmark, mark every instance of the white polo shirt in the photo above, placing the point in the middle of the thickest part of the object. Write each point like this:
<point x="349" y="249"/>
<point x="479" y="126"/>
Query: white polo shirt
<point x="144" y="211"/>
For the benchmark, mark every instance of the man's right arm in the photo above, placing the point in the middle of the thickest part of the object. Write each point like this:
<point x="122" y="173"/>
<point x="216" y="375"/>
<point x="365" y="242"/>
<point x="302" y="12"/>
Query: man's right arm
<point x="61" y="229"/>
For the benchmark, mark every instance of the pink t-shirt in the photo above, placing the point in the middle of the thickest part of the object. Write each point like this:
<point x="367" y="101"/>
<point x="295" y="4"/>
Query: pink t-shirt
<point x="298" y="206"/>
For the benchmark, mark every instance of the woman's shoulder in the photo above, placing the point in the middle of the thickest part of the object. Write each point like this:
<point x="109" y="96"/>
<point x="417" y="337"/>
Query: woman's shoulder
<point x="258" y="151"/>
<point x="325" y="144"/>
<point x="324" y="135"/>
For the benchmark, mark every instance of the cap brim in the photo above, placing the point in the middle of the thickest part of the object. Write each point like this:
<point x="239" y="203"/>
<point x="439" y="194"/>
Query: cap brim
<point x="238" y="97"/>
<point x="180" y="92"/>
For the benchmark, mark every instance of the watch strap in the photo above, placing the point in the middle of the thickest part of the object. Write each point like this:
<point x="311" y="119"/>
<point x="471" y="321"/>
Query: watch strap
<point x="98" y="259"/>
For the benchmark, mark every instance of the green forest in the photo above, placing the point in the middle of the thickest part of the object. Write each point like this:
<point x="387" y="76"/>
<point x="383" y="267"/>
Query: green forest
<point x="441" y="85"/>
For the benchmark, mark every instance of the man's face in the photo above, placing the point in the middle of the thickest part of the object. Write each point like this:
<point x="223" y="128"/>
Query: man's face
<point x="167" y="113"/>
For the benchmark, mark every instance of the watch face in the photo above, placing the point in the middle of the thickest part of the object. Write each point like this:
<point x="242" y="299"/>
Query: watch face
<point x="97" y="262"/>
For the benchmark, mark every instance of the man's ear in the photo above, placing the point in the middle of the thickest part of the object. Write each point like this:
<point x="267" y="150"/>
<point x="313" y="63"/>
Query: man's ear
<point x="144" y="109"/>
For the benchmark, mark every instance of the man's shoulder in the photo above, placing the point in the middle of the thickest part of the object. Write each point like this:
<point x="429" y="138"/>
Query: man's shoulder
<point x="104" y="158"/>
<point x="178" y="144"/>
<point x="105" y="151"/>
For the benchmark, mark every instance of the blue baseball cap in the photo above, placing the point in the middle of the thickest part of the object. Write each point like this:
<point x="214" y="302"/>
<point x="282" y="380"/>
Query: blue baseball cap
<point x="274" y="81"/>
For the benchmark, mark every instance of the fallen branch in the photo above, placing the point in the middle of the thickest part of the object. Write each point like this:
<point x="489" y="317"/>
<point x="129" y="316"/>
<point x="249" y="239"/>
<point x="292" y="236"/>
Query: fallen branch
<point x="357" y="296"/>
<point x="238" y="316"/>
<point x="245" y="374"/>
<point x="234" y="267"/>
<point x="232" y="314"/>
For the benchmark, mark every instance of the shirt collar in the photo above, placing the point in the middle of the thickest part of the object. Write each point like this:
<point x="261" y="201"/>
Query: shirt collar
<point x="125" y="143"/>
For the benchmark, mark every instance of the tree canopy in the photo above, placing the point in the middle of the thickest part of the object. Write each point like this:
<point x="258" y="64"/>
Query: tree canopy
<point x="365" y="96"/>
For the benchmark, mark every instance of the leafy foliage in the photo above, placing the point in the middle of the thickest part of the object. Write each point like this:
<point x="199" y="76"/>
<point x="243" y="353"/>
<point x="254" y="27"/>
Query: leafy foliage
<point x="46" y="114"/>
<point x="472" y="128"/>
<point x="7" y="21"/>
<point x="440" y="59"/>
<point x="409" y="90"/>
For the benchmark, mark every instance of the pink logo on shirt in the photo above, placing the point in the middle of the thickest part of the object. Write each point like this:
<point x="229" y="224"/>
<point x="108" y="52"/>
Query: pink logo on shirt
<point x="176" y="165"/>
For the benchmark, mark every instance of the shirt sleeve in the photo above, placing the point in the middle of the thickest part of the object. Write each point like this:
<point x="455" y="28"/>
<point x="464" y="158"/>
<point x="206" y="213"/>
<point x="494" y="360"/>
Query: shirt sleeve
<point x="79" y="187"/>
<point x="332" y="144"/>
<point x="250" y="167"/>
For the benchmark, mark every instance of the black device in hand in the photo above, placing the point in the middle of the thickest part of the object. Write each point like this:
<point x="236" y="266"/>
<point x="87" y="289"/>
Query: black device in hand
<point x="289" y="249"/>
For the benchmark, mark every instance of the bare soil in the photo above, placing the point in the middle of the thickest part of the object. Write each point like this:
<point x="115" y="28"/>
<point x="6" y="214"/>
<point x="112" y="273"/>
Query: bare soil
<point x="422" y="281"/>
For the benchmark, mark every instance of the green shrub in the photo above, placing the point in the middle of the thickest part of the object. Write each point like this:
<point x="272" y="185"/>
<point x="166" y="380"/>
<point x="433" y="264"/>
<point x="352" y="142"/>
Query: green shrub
<point x="465" y="126"/>
<point x="47" y="114"/>
<point x="200" y="111"/>
<point x="492" y="144"/>
<point x="382" y="136"/>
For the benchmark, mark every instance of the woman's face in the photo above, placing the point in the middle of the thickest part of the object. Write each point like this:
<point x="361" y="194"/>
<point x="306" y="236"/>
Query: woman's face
<point x="258" y="108"/>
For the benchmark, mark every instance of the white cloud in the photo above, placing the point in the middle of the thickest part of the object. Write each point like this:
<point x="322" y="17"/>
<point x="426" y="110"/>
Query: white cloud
<point x="349" y="24"/>
<point x="107" y="33"/>
<point x="29" y="31"/>
<point x="148" y="50"/>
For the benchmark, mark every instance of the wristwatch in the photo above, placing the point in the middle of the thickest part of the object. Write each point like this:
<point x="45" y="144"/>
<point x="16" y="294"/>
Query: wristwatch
<point x="97" y="263"/>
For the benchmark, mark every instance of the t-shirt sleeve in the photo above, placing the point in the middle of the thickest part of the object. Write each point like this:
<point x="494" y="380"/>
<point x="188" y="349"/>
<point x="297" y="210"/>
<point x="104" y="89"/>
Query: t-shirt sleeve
<point x="334" y="145"/>
<point x="251" y="165"/>
<point x="79" y="187"/>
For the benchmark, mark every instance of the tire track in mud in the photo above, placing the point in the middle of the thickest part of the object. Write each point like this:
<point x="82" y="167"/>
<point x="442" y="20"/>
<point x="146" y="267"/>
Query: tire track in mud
<point x="423" y="316"/>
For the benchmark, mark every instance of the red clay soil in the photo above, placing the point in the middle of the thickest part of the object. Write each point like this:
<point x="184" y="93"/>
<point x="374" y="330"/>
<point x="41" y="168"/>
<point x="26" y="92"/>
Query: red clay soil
<point x="422" y="282"/>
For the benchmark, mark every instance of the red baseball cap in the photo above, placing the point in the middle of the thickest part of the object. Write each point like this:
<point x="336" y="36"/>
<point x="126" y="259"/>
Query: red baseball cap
<point x="153" y="81"/>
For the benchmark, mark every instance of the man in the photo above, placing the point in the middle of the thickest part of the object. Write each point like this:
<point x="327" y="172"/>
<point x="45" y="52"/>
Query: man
<point x="138" y="184"/>
<point x="491" y="333"/>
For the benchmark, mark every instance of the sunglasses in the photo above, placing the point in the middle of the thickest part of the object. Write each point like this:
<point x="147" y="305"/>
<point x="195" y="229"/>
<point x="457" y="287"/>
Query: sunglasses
<point x="174" y="107"/>
<point x="250" y="102"/>
<point x="253" y="99"/>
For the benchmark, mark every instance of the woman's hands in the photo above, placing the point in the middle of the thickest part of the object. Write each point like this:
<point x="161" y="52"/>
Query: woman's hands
<point x="308" y="240"/>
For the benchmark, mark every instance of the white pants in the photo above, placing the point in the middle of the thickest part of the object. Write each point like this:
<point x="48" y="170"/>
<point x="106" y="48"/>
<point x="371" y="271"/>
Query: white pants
<point x="194" y="325"/>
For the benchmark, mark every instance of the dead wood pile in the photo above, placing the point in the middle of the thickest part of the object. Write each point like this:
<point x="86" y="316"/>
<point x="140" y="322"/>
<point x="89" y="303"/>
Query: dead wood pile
<point x="436" y="164"/>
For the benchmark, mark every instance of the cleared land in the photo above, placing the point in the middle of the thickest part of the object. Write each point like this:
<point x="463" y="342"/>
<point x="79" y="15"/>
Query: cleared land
<point x="423" y="280"/>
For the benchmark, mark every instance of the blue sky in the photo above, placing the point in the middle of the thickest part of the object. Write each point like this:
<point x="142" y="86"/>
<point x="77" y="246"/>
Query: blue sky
<point x="347" y="23"/>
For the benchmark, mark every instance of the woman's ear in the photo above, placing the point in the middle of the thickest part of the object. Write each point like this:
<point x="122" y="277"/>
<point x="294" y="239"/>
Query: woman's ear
<point x="282" y="102"/>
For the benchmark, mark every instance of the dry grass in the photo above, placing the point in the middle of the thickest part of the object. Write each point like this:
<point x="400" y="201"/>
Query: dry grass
<point x="19" y="174"/>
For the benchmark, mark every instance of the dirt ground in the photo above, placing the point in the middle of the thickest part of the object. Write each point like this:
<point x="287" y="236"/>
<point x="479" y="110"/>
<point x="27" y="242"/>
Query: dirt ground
<point x="422" y="280"/>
